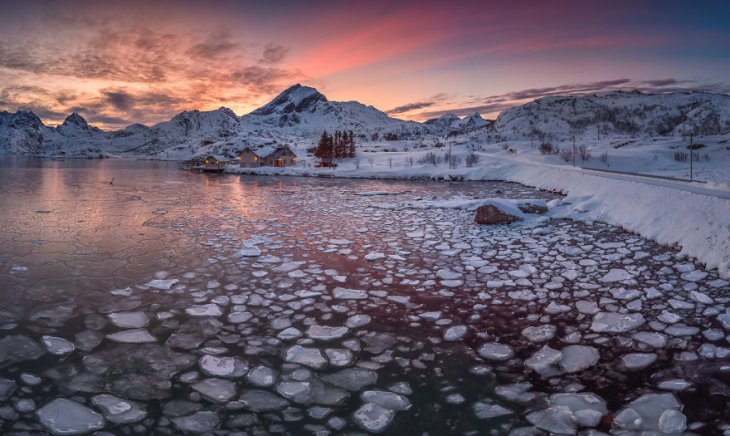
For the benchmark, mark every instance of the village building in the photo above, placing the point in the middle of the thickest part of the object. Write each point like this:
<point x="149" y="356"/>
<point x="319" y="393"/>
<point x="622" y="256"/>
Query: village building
<point x="281" y="156"/>
<point x="214" y="163"/>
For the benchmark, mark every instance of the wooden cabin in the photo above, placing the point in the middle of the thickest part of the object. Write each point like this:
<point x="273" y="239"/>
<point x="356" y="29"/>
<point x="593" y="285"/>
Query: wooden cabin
<point x="281" y="156"/>
<point x="214" y="163"/>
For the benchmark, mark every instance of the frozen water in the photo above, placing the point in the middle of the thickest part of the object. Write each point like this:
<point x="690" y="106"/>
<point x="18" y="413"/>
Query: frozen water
<point x="216" y="389"/>
<point x="349" y="294"/>
<point x="455" y="333"/>
<point x="356" y="321"/>
<point x="495" y="351"/>
<point x="611" y="322"/>
<point x="262" y="401"/>
<point x="119" y="410"/>
<point x="634" y="361"/>
<point x="198" y="422"/>
<point x="210" y="309"/>
<point x="387" y="400"/>
<point x="129" y="320"/>
<point x="539" y="333"/>
<point x="57" y="346"/>
<point x="326" y="333"/>
<point x="554" y="419"/>
<point x="227" y="367"/>
<point x="133" y="336"/>
<point x="578" y="357"/>
<point x="162" y="284"/>
<point x="262" y="376"/>
<point x="489" y="411"/>
<point x="310" y="357"/>
<point x="373" y="418"/>
<point x="616" y="275"/>
<point x="65" y="417"/>
<point x="352" y="379"/>
<point x="545" y="361"/>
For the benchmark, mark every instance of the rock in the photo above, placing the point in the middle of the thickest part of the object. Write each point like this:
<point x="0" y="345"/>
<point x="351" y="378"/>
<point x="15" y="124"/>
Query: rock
<point x="17" y="348"/>
<point x="119" y="410"/>
<point x="57" y="346"/>
<point x="532" y="207"/>
<point x="373" y="418"/>
<point x="66" y="417"/>
<point x="490" y="214"/>
<point x="198" y="422"/>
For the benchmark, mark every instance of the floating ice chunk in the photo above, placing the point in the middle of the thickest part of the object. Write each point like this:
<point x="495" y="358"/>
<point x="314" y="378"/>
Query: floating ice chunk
<point x="653" y="339"/>
<point x="694" y="276"/>
<point x="129" y="320"/>
<point x="7" y="388"/>
<point x="118" y="410"/>
<point x="489" y="411"/>
<point x="545" y="361"/>
<point x="495" y="351"/>
<point x="62" y="417"/>
<point x="455" y="333"/>
<point x="262" y="401"/>
<point x="587" y="408"/>
<point x="539" y="333"/>
<point x="248" y="252"/>
<point x="724" y="319"/>
<point x="636" y="361"/>
<point x="57" y="346"/>
<point x="431" y="316"/>
<point x="516" y="392"/>
<point x="447" y="274"/>
<point x="672" y="421"/>
<point x="227" y="367"/>
<point x="578" y="357"/>
<point x="373" y="418"/>
<point x="611" y="322"/>
<point x="522" y="294"/>
<point x="555" y="308"/>
<point x="356" y="321"/>
<point x="374" y="255"/>
<point x="349" y="294"/>
<point x="216" y="389"/>
<point x="668" y="317"/>
<point x="674" y="385"/>
<point x="587" y="307"/>
<point x="645" y="412"/>
<point x="352" y="379"/>
<point x="625" y="294"/>
<point x="326" y="333"/>
<point x="199" y="422"/>
<point x="262" y="376"/>
<point x="289" y="334"/>
<point x="388" y="400"/>
<point x="699" y="297"/>
<point x="239" y="317"/>
<point x="133" y="336"/>
<point x="162" y="284"/>
<point x="339" y="356"/>
<point x="310" y="357"/>
<point x="681" y="330"/>
<point x="554" y="419"/>
<point x="210" y="309"/>
<point x="616" y="275"/>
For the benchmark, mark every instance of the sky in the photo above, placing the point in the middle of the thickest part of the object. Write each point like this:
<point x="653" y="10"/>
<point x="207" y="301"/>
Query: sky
<point x="118" y="63"/>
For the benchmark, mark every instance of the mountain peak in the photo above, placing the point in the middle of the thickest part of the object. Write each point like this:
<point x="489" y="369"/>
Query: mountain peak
<point x="296" y="98"/>
<point x="76" y="120"/>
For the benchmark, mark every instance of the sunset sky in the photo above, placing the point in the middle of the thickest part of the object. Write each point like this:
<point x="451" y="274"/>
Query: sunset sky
<point x="129" y="62"/>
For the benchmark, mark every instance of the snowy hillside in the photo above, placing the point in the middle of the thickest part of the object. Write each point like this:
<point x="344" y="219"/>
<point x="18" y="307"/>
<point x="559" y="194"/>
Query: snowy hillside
<point x="305" y="112"/>
<point x="618" y="114"/>
<point x="299" y="114"/>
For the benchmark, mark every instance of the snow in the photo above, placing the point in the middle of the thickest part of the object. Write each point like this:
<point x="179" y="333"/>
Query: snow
<point x="66" y="417"/>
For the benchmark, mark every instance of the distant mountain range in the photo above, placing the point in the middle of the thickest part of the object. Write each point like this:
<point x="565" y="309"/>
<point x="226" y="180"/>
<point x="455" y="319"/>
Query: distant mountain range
<point x="300" y="114"/>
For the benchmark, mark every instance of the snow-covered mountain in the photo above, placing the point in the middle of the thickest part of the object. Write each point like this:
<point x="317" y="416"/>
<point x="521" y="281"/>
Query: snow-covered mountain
<point x="298" y="116"/>
<point x="304" y="111"/>
<point x="450" y="123"/>
<point x="617" y="114"/>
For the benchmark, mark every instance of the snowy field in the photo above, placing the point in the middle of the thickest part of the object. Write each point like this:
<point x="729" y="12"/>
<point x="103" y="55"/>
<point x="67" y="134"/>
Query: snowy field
<point x="302" y="305"/>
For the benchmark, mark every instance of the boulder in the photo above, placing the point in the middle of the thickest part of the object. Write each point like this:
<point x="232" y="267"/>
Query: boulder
<point x="490" y="214"/>
<point x="532" y="207"/>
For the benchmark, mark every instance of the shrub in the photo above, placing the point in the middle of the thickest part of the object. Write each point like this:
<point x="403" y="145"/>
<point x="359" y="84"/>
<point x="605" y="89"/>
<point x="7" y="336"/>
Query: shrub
<point x="566" y="154"/>
<point x="604" y="158"/>
<point x="584" y="153"/>
<point x="546" y="148"/>
<point x="680" y="156"/>
<point x="472" y="160"/>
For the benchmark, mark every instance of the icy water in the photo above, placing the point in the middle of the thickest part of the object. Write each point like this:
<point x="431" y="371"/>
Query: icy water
<point x="169" y="302"/>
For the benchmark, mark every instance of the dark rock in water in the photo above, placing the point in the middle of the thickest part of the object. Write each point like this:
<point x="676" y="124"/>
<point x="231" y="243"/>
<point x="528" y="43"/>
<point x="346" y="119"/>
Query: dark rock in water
<point x="17" y="348"/>
<point x="489" y="214"/>
<point x="532" y="208"/>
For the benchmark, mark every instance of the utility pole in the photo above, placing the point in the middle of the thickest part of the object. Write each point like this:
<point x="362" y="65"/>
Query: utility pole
<point x="574" y="100"/>
<point x="450" y="157"/>
<point x="691" y="158"/>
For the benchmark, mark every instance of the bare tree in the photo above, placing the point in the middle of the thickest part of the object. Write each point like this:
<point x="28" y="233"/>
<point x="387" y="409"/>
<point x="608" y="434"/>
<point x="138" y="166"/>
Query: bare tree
<point x="584" y="153"/>
<point x="371" y="161"/>
<point x="357" y="163"/>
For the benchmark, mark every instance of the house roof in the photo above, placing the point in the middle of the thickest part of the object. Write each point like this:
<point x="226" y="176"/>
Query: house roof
<point x="268" y="151"/>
